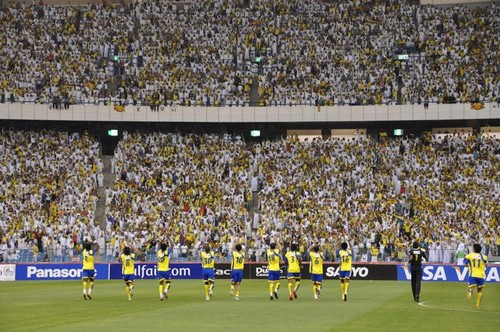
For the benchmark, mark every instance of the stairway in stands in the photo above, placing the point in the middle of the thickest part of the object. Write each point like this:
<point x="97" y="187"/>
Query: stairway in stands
<point x="254" y="92"/>
<point x="254" y="206"/>
<point x="109" y="179"/>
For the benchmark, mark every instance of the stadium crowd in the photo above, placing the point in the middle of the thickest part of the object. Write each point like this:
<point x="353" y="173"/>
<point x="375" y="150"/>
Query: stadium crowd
<point x="48" y="192"/>
<point x="380" y="195"/>
<point x="199" y="188"/>
<point x="312" y="52"/>
<point x="376" y="195"/>
<point x="457" y="49"/>
<point x="193" y="188"/>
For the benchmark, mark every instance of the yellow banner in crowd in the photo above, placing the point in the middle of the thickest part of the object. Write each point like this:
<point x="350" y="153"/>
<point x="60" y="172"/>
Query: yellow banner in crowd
<point x="119" y="108"/>
<point x="477" y="106"/>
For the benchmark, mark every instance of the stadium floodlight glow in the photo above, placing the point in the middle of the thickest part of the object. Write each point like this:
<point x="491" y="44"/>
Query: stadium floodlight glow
<point x="255" y="133"/>
<point x="113" y="132"/>
<point x="116" y="58"/>
<point x="258" y="59"/>
<point x="398" y="132"/>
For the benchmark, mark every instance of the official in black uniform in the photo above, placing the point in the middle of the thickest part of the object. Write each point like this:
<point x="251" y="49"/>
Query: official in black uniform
<point x="416" y="255"/>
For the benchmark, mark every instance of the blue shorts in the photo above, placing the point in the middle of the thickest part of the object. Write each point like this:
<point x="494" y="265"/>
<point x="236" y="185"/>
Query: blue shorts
<point x="317" y="277"/>
<point x="236" y="275"/>
<point x="274" y="275"/>
<point x="344" y="274"/>
<point x="293" y="275"/>
<point x="88" y="274"/>
<point x="207" y="274"/>
<point x="476" y="281"/>
<point x="164" y="275"/>
<point x="129" y="277"/>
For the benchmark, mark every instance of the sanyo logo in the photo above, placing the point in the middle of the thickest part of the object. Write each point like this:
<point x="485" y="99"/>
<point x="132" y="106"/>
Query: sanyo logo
<point x="359" y="272"/>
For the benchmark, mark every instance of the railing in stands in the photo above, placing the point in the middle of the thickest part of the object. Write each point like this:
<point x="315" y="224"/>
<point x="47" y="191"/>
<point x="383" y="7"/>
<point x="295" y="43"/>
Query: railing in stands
<point x="200" y="114"/>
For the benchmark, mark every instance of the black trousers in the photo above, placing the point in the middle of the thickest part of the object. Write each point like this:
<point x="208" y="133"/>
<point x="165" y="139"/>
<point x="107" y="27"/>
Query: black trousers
<point x="416" y="280"/>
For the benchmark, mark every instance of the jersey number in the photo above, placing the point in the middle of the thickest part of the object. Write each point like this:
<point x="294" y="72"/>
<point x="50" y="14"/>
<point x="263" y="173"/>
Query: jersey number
<point x="346" y="259"/>
<point x="208" y="260"/>
<point x="127" y="262"/>
<point x="476" y="263"/>
<point x="239" y="260"/>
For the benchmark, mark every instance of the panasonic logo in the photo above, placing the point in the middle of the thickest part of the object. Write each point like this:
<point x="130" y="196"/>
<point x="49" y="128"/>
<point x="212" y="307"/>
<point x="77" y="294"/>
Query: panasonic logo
<point x="34" y="272"/>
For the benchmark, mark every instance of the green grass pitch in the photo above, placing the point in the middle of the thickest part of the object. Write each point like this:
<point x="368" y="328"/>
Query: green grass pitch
<point x="372" y="306"/>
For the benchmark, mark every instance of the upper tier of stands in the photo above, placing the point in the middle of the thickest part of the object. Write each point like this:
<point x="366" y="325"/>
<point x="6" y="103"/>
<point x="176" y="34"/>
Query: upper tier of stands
<point x="207" y="53"/>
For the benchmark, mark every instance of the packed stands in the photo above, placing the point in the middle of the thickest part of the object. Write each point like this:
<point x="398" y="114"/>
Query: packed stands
<point x="218" y="52"/>
<point x="373" y="194"/>
<point x="200" y="188"/>
<point x="196" y="189"/>
<point x="192" y="188"/>
<point x="48" y="194"/>
<point x="381" y="194"/>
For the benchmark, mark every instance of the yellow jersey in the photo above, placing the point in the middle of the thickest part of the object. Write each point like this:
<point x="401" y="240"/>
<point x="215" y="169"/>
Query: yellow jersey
<point x="345" y="260"/>
<point x="293" y="258"/>
<point x="208" y="260"/>
<point x="238" y="260"/>
<point x="273" y="260"/>
<point x="88" y="259"/>
<point x="128" y="262"/>
<point x="163" y="260"/>
<point x="316" y="266"/>
<point x="477" y="265"/>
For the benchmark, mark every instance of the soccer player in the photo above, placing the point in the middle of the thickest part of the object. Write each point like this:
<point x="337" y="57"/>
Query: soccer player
<point x="416" y="256"/>
<point x="293" y="260"/>
<point x="88" y="271"/>
<point x="345" y="269"/>
<point x="316" y="270"/>
<point x="273" y="268"/>
<point x="208" y="265"/>
<point x="128" y="271"/>
<point x="164" y="275"/>
<point x="237" y="265"/>
<point x="477" y="263"/>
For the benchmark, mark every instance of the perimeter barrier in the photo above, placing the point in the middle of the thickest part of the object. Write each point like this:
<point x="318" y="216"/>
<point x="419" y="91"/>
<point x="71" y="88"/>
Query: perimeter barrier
<point x="148" y="270"/>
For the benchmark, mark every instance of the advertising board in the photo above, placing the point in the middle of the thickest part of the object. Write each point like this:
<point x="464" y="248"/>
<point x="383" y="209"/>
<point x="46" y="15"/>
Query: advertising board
<point x="431" y="272"/>
<point x="44" y="271"/>
<point x="7" y="272"/>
